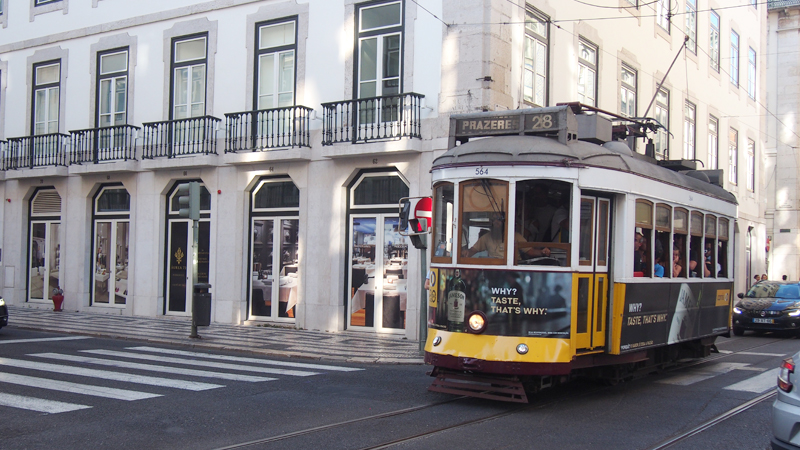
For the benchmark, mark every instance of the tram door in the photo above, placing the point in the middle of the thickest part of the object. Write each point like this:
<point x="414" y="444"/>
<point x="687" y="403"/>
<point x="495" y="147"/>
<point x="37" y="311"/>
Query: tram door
<point x="591" y="290"/>
<point x="377" y="288"/>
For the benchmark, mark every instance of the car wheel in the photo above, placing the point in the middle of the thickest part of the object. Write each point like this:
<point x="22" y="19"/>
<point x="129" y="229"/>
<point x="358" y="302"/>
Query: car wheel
<point x="738" y="331"/>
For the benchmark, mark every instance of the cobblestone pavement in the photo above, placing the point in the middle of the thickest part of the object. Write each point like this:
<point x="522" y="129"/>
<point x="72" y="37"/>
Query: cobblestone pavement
<point x="268" y="340"/>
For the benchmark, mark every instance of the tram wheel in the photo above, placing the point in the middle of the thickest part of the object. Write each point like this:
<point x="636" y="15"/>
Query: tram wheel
<point x="738" y="331"/>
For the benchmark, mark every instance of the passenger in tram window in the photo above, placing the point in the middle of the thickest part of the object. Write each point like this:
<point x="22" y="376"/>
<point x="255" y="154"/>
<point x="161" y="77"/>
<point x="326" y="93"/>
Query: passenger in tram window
<point x="638" y="257"/>
<point x="493" y="242"/>
<point x="677" y="267"/>
<point x="658" y="267"/>
<point x="763" y="277"/>
<point x="559" y="226"/>
<point x="540" y="217"/>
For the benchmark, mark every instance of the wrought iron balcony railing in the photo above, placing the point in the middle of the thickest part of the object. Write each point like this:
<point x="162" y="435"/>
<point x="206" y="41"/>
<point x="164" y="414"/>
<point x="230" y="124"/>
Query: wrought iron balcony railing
<point x="36" y="151"/>
<point x="372" y="119"/>
<point x="103" y="144"/>
<point x="171" y="138"/>
<point x="775" y="4"/>
<point x="267" y="128"/>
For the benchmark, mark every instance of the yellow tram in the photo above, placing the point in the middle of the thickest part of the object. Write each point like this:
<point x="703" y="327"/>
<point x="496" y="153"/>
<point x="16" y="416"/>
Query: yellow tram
<point x="558" y="251"/>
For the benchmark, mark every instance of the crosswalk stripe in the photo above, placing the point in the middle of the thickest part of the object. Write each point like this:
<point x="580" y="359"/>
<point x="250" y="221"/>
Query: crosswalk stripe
<point x="20" y="341"/>
<point x="192" y="362"/>
<point x="38" y="404"/>
<point x="695" y="375"/>
<point x="153" y="368"/>
<point x="108" y="375"/>
<point x="757" y="384"/>
<point x="75" y="388"/>
<point x="244" y="359"/>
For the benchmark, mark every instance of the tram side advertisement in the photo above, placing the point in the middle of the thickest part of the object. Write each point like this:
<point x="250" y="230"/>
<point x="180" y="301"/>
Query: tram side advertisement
<point x="532" y="304"/>
<point x="668" y="313"/>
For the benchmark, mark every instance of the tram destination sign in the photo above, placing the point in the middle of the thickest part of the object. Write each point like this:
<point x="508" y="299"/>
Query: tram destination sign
<point x="531" y="121"/>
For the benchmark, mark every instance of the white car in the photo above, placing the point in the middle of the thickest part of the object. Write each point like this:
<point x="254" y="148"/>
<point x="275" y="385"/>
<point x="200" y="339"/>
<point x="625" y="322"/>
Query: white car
<point x="786" y="409"/>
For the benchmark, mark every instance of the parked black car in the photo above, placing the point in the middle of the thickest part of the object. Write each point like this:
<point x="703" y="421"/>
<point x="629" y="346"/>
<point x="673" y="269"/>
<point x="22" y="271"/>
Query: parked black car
<point x="786" y="408"/>
<point x="768" y="306"/>
<point x="3" y="313"/>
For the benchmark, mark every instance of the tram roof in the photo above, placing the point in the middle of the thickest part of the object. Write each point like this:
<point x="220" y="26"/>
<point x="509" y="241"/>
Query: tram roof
<point x="546" y="151"/>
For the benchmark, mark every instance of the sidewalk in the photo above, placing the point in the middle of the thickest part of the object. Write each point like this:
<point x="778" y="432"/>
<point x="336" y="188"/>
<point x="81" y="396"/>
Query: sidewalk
<point x="261" y="339"/>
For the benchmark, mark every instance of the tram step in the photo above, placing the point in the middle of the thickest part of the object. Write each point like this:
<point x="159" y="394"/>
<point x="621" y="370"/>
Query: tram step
<point x="507" y="389"/>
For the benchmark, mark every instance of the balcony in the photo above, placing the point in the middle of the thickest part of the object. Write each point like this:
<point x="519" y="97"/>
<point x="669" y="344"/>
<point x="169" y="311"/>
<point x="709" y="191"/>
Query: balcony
<point x="46" y="150"/>
<point x="389" y="117"/>
<point x="267" y="129"/>
<point x="94" y="145"/>
<point x="181" y="137"/>
<point x="777" y="4"/>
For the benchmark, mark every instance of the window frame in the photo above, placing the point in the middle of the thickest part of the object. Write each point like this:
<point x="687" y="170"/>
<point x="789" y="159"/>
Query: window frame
<point x="734" y="68"/>
<point x="713" y="142"/>
<point x="533" y="38"/>
<point x="378" y="33"/>
<point x="277" y="51"/>
<point x="189" y="63"/>
<point x="663" y="9"/>
<point x="584" y="65"/>
<point x="628" y="90"/>
<point x="487" y="260"/>
<point x="714" y="49"/>
<point x="751" y="161"/>
<point x="689" y="130"/>
<point x="691" y="25"/>
<point x="47" y="88"/>
<point x="660" y="112"/>
<point x="733" y="155"/>
<point x="113" y="76"/>
<point x="751" y="73"/>
<point x="447" y="225"/>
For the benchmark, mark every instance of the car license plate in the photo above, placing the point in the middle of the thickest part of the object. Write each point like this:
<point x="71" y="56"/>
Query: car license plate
<point x="763" y="320"/>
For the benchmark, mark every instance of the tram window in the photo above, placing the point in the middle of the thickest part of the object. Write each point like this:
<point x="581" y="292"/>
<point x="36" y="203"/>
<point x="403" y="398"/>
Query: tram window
<point x="697" y="267"/>
<point x="722" y="248"/>
<point x="482" y="228"/>
<point x="642" y="252"/>
<point x="542" y="219"/>
<point x="680" y="229"/>
<point x="710" y="248"/>
<point x="585" y="242"/>
<point x="443" y="222"/>
<point x="662" y="258"/>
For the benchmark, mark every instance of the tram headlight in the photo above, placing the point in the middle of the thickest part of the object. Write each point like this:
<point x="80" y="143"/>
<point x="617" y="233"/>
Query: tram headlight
<point x="476" y="322"/>
<point x="522" y="349"/>
<point x="437" y="340"/>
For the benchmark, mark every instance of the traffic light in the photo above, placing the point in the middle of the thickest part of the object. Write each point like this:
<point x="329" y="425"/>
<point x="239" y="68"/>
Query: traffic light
<point x="189" y="200"/>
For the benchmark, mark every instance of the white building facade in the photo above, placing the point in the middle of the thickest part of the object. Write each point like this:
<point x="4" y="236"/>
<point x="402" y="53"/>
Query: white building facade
<point x="306" y="122"/>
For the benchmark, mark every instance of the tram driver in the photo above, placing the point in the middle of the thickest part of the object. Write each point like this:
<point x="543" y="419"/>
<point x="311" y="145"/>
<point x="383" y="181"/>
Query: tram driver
<point x="493" y="243"/>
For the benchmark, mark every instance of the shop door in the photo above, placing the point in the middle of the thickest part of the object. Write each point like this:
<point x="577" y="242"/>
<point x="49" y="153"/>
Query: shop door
<point x="45" y="261"/>
<point x="275" y="276"/>
<point x="179" y="283"/>
<point x="591" y="289"/>
<point x="378" y="271"/>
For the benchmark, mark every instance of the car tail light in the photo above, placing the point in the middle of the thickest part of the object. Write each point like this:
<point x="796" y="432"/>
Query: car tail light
<point x="787" y="368"/>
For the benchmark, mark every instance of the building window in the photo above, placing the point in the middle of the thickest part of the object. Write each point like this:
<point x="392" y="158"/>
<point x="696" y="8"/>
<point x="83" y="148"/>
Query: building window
<point x="713" y="41"/>
<point x="751" y="73"/>
<point x="662" y="116"/>
<point x="587" y="73"/>
<point x="689" y="134"/>
<point x="45" y="2"/>
<point x="536" y="56"/>
<point x="691" y="25"/>
<point x="112" y="88"/>
<point x="663" y="14"/>
<point x="751" y="165"/>
<point x="628" y="89"/>
<point x="188" y="77"/>
<point x="380" y="37"/>
<point x="734" y="58"/>
<point x="733" y="156"/>
<point x="46" y="97"/>
<point x="276" y="44"/>
<point x="713" y="143"/>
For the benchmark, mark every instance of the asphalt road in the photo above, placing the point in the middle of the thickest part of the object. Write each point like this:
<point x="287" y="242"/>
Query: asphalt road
<point x="279" y="404"/>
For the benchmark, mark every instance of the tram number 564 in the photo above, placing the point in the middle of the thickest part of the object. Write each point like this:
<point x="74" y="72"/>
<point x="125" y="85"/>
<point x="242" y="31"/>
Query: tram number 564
<point x="482" y="171"/>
